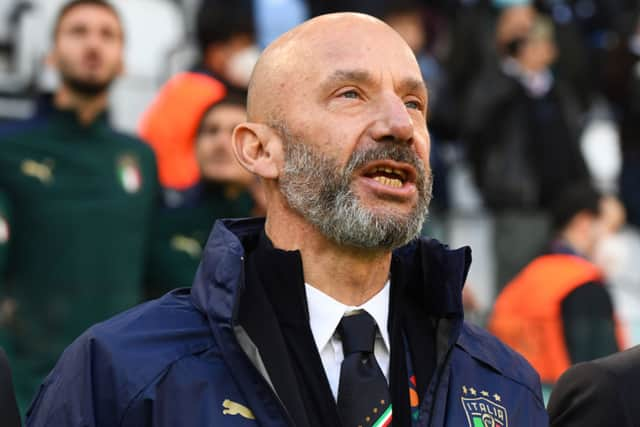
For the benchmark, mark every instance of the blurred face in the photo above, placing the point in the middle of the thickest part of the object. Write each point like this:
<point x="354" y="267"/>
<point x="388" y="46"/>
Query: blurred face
<point x="233" y="59"/>
<point x="88" y="49"/>
<point x="213" y="145"/>
<point x="514" y="22"/>
<point x="355" y="138"/>
<point x="537" y="55"/>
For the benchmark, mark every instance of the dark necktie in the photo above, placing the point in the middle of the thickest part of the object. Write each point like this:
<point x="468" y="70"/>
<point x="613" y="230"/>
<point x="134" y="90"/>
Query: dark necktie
<point x="363" y="394"/>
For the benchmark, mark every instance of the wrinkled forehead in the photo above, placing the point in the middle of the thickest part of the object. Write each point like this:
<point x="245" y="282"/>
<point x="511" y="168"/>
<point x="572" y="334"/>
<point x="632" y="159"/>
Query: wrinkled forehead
<point x="376" y="49"/>
<point x="298" y="64"/>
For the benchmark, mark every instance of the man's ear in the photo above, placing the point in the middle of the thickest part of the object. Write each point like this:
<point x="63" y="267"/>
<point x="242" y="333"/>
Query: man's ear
<point x="258" y="149"/>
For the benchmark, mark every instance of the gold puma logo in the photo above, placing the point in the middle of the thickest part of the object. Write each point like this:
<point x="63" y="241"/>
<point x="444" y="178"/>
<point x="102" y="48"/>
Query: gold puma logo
<point x="42" y="171"/>
<point x="233" y="408"/>
<point x="187" y="244"/>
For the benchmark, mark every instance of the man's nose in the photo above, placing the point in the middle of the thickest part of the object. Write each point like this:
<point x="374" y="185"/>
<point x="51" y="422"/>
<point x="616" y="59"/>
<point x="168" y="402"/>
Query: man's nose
<point x="94" y="40"/>
<point x="393" y="122"/>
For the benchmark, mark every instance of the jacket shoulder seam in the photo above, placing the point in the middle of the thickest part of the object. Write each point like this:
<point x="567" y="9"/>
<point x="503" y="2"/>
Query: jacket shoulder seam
<point x="160" y="373"/>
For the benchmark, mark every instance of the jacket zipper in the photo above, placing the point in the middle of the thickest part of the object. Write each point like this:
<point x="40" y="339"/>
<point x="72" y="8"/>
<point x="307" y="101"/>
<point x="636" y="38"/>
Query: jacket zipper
<point x="444" y="365"/>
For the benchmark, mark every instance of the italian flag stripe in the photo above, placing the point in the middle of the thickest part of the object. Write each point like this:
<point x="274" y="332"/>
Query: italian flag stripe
<point x="384" y="420"/>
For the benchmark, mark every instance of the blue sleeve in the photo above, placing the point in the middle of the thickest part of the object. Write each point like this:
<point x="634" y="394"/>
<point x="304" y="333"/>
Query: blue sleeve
<point x="78" y="392"/>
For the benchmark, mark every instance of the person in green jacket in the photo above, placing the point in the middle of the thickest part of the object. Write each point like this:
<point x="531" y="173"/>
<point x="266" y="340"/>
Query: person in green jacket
<point x="82" y="196"/>
<point x="5" y="235"/>
<point x="225" y="190"/>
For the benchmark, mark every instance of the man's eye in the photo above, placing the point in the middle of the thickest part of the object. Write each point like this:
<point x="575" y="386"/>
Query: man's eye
<point x="210" y="131"/>
<point x="108" y="34"/>
<point x="351" y="94"/>
<point x="413" y="105"/>
<point x="78" y="31"/>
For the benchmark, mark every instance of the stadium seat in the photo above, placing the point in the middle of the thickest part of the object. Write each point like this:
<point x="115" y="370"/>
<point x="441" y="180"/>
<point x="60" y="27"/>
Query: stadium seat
<point x="28" y="40"/>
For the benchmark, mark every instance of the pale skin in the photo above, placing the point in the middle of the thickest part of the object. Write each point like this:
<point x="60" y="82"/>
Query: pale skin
<point x="89" y="46"/>
<point x="339" y="81"/>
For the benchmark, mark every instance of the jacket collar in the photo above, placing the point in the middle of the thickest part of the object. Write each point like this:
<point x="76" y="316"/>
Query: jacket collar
<point x="219" y="281"/>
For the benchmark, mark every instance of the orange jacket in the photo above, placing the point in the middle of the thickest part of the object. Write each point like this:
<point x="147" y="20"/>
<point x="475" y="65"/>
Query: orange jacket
<point x="171" y="122"/>
<point x="527" y="315"/>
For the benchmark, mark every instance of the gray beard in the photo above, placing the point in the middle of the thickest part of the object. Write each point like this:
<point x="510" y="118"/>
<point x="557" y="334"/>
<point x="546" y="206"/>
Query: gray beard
<point x="315" y="187"/>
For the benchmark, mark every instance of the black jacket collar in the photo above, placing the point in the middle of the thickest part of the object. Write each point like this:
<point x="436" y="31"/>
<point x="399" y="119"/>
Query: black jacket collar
<point x="439" y="273"/>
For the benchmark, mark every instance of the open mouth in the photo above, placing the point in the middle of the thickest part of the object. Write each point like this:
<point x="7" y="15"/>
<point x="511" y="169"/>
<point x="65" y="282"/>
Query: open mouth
<point x="391" y="175"/>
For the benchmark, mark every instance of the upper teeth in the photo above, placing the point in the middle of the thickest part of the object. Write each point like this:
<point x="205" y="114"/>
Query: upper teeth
<point x="398" y="172"/>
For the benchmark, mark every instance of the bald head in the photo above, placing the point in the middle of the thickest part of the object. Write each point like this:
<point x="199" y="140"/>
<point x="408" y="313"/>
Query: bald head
<point x="294" y="57"/>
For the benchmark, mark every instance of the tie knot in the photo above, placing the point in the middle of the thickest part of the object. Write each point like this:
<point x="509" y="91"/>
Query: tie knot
<point x="357" y="332"/>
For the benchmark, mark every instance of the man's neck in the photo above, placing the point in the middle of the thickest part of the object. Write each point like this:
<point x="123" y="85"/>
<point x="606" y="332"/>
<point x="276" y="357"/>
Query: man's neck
<point x="349" y="275"/>
<point x="87" y="108"/>
<point x="576" y="241"/>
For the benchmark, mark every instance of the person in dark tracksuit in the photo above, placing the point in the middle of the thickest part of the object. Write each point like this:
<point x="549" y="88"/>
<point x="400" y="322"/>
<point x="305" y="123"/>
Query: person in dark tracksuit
<point x="223" y="191"/>
<point x="82" y="197"/>
<point x="329" y="312"/>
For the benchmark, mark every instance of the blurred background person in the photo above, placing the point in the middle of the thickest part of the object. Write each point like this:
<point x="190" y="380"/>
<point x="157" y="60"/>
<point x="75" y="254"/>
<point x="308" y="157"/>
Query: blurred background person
<point x="226" y="53"/>
<point x="622" y="88"/>
<point x="598" y="393"/>
<point x="225" y="190"/>
<point x="226" y="39"/>
<point x="557" y="311"/>
<point x="170" y="125"/>
<point x="82" y="196"/>
<point x="5" y="235"/>
<point x="7" y="305"/>
<point x="522" y="128"/>
<point x="617" y="254"/>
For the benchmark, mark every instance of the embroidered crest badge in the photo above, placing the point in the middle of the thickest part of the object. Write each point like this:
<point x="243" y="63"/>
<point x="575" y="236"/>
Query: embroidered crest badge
<point x="129" y="174"/>
<point x="483" y="408"/>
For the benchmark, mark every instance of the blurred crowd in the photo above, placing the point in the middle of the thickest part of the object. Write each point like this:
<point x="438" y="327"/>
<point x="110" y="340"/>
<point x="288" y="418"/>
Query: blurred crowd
<point x="534" y="113"/>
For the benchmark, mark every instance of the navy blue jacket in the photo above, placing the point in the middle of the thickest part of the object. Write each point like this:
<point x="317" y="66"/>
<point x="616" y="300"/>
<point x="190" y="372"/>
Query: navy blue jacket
<point x="183" y="360"/>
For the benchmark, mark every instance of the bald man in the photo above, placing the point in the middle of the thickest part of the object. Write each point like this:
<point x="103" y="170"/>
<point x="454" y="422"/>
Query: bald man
<point x="329" y="312"/>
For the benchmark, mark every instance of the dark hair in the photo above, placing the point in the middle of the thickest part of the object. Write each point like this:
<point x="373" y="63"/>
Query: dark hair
<point x="235" y="97"/>
<point x="573" y="199"/>
<point x="76" y="3"/>
<point x="219" y="20"/>
<point x="401" y="7"/>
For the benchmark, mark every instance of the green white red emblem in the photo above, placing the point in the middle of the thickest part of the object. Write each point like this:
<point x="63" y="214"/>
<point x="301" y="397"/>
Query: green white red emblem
<point x="129" y="174"/>
<point x="385" y="418"/>
<point x="4" y="231"/>
<point x="482" y="408"/>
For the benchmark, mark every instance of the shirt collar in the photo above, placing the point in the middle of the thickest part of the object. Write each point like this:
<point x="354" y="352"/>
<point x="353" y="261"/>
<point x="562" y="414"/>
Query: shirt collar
<point x="325" y="313"/>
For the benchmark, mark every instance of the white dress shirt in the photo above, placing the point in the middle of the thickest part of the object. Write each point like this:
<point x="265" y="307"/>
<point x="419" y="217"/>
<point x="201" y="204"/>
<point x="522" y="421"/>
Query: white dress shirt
<point x="325" y="314"/>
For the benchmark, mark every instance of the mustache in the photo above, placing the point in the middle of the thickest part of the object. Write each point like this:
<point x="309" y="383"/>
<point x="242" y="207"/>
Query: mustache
<point x="398" y="152"/>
